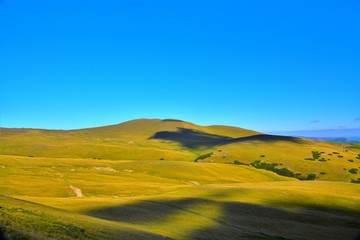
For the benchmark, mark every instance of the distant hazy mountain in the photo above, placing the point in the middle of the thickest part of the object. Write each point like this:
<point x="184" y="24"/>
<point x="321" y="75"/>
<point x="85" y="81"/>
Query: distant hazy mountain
<point x="351" y="135"/>
<point x="336" y="139"/>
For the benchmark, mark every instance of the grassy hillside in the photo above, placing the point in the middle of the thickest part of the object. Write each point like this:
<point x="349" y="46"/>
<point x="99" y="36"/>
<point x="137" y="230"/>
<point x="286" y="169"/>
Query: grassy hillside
<point x="169" y="179"/>
<point x="19" y="175"/>
<point x="21" y="219"/>
<point x="151" y="199"/>
<point x="175" y="140"/>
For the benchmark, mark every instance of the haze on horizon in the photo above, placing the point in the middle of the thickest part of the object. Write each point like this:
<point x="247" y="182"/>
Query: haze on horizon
<point x="262" y="65"/>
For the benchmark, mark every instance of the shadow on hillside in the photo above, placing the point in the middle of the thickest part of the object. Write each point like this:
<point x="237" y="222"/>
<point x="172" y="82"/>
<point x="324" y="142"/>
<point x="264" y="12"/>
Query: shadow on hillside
<point x="234" y="220"/>
<point x="196" y="139"/>
<point x="171" y="120"/>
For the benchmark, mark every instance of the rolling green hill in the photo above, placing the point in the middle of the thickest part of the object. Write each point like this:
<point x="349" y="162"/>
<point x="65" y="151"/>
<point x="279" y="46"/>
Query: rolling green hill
<point x="169" y="179"/>
<point x="175" y="140"/>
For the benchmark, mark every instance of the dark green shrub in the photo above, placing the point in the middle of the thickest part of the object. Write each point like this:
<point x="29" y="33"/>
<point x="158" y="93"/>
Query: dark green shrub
<point x="355" y="180"/>
<point x="264" y="165"/>
<point x="350" y="160"/>
<point x="204" y="156"/>
<point x="162" y="158"/>
<point x="285" y="172"/>
<point x="322" y="160"/>
<point x="309" y="159"/>
<point x="237" y="162"/>
<point x="322" y="173"/>
<point x="262" y="156"/>
<point x="316" y="154"/>
<point x="311" y="176"/>
<point x="220" y="150"/>
<point x="335" y="153"/>
<point x="272" y="167"/>
<point x="340" y="156"/>
<point x="330" y="154"/>
<point x="353" y="171"/>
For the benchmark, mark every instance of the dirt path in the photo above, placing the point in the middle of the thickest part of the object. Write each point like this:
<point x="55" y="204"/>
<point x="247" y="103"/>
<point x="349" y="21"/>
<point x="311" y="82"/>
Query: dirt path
<point x="197" y="184"/>
<point x="77" y="191"/>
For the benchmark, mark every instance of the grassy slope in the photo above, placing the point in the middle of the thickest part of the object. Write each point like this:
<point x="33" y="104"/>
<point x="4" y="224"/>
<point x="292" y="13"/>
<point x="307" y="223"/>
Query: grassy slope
<point x="21" y="219"/>
<point x="129" y="199"/>
<point x="19" y="175"/>
<point x="130" y="141"/>
<point x="153" y="198"/>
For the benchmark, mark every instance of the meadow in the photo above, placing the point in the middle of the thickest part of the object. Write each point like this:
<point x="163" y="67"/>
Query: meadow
<point x="156" y="179"/>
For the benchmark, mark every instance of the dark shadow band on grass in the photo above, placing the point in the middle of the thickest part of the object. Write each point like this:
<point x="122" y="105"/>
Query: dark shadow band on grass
<point x="195" y="139"/>
<point x="236" y="220"/>
<point x="20" y="219"/>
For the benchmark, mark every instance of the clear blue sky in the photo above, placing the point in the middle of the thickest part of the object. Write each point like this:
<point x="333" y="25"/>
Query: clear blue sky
<point x="264" y="65"/>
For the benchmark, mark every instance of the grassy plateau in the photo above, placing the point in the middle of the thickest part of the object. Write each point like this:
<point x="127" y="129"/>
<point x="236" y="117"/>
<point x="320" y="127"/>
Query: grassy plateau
<point x="169" y="179"/>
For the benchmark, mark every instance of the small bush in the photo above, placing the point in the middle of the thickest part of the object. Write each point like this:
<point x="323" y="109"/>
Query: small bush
<point x="220" y="150"/>
<point x="285" y="172"/>
<point x="204" y="156"/>
<point x="340" y="156"/>
<point x="322" y="160"/>
<point x="322" y="173"/>
<point x="237" y="162"/>
<point x="335" y="153"/>
<point x="309" y="159"/>
<point x="262" y="156"/>
<point x="311" y="176"/>
<point x="162" y="158"/>
<point x="316" y="154"/>
<point x="355" y="180"/>
<point x="350" y="160"/>
<point x="353" y="170"/>
<point x="330" y="154"/>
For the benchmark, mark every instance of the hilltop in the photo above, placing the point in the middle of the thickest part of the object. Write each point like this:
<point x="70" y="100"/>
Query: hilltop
<point x="176" y="140"/>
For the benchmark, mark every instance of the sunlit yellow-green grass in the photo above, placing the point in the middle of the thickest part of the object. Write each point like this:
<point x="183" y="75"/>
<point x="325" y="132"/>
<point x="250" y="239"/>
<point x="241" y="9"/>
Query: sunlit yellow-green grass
<point x="48" y="177"/>
<point x="116" y="182"/>
<point x="180" y="200"/>
<point x="293" y="157"/>
<point x="132" y="141"/>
